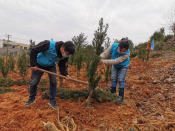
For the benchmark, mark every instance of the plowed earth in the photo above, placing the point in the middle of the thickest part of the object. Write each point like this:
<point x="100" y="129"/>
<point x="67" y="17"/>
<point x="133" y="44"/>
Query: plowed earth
<point x="149" y="102"/>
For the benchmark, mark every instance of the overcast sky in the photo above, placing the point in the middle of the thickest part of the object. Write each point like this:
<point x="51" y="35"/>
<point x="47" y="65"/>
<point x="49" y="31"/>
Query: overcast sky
<point x="62" y="19"/>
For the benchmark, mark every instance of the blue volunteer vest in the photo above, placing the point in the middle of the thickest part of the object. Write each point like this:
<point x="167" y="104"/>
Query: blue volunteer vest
<point x="49" y="57"/>
<point x="115" y="54"/>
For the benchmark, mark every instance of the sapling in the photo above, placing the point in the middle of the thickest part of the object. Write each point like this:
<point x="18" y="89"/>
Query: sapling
<point x="93" y="78"/>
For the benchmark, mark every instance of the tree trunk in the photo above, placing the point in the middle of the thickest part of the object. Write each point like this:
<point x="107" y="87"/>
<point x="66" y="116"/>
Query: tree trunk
<point x="89" y="97"/>
<point x="78" y="74"/>
<point x="148" y="56"/>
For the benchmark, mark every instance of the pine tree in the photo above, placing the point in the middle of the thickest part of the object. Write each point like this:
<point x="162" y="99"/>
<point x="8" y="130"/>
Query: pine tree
<point x="23" y="62"/>
<point x="80" y="43"/>
<point x="32" y="44"/>
<point x="100" y="37"/>
<point x="11" y="62"/>
<point x="93" y="78"/>
<point x="78" y="60"/>
<point x="4" y="67"/>
<point x="88" y="56"/>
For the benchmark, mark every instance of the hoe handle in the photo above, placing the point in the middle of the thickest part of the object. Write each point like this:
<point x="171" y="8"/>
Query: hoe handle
<point x="62" y="76"/>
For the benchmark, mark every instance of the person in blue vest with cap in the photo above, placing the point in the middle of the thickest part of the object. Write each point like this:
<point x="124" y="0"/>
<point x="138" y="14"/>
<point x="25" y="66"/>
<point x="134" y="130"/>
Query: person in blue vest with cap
<point x="120" y="62"/>
<point x="45" y="55"/>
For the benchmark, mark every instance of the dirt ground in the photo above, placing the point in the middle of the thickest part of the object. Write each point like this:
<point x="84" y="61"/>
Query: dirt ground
<point x="149" y="102"/>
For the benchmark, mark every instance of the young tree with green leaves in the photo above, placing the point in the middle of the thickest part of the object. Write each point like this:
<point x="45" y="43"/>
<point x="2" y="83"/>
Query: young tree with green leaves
<point x="93" y="78"/>
<point x="4" y="67"/>
<point x="23" y="63"/>
<point x="88" y="56"/>
<point x="32" y="44"/>
<point x="78" y="60"/>
<point x="79" y="42"/>
<point x="100" y="36"/>
<point x="141" y="50"/>
<point x="11" y="62"/>
<point x="158" y="35"/>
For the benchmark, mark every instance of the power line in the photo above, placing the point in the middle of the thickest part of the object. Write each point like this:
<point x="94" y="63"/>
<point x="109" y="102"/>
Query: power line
<point x="19" y="38"/>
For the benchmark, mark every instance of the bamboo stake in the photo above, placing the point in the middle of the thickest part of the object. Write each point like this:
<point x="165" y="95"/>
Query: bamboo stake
<point x="61" y="76"/>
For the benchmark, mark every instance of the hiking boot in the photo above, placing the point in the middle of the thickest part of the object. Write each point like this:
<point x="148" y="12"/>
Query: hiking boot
<point x="53" y="104"/>
<point x="119" y="101"/>
<point x="30" y="101"/>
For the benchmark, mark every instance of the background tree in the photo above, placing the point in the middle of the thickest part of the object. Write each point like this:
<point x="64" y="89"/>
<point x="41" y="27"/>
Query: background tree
<point x="80" y="43"/>
<point x="78" y="61"/>
<point x="141" y="51"/>
<point x="32" y="44"/>
<point x="100" y="36"/>
<point x="167" y="37"/>
<point x="116" y="41"/>
<point x="162" y="30"/>
<point x="170" y="19"/>
<point x="88" y="56"/>
<point x="131" y="45"/>
<point x="158" y="35"/>
<point x="11" y="62"/>
<point x="23" y="62"/>
<point x="4" y="67"/>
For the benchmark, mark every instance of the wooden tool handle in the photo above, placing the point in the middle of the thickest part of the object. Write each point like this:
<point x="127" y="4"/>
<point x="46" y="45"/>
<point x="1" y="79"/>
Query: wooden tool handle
<point x="61" y="76"/>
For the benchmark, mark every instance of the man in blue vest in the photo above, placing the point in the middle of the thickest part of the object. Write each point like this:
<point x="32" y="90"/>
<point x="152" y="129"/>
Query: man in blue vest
<point x="120" y="62"/>
<point x="45" y="55"/>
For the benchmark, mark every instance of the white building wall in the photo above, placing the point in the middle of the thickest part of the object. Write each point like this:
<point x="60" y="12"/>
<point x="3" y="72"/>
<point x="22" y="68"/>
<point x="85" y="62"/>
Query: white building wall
<point x="1" y="43"/>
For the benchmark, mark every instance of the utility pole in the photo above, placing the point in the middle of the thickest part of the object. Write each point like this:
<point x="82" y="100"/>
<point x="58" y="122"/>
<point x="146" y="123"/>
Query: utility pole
<point x="7" y="43"/>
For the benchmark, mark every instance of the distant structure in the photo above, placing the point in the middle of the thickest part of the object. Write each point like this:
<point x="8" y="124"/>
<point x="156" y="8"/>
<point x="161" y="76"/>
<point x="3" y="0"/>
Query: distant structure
<point x="13" y="48"/>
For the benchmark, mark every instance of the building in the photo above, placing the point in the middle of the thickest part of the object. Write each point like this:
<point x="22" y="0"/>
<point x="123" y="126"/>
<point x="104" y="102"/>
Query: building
<point x="13" y="45"/>
<point x="13" y="48"/>
<point x="1" y="43"/>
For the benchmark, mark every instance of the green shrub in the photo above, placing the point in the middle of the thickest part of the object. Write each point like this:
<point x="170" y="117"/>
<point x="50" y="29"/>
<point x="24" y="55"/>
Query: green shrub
<point x="1" y="62"/>
<point x="43" y="88"/>
<point x="133" y="54"/>
<point x="155" y="54"/>
<point x="167" y="38"/>
<point x="5" y="90"/>
<point x="65" y="93"/>
<point x="159" y="45"/>
<point x="22" y="82"/>
<point x="6" y="82"/>
<point x="99" y="95"/>
<point x="43" y="82"/>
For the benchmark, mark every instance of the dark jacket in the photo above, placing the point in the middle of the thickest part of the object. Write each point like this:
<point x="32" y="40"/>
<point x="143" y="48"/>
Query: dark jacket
<point x="44" y="46"/>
